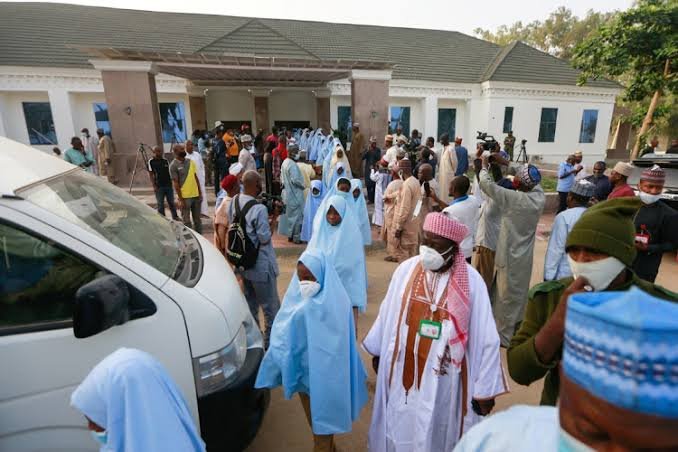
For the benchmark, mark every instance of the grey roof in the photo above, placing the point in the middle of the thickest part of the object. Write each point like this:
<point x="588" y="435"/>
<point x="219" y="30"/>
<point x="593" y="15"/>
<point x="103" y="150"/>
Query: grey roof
<point x="52" y="35"/>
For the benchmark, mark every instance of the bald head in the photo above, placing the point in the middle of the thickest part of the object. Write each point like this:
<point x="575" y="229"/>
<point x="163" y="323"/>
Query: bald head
<point x="425" y="172"/>
<point x="459" y="186"/>
<point x="251" y="182"/>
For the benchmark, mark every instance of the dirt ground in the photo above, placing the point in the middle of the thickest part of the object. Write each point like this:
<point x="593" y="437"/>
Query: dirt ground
<point x="285" y="427"/>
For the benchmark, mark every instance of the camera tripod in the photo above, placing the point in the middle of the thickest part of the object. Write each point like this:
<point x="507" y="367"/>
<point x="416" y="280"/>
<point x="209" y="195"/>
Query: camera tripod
<point x="522" y="155"/>
<point x="141" y="152"/>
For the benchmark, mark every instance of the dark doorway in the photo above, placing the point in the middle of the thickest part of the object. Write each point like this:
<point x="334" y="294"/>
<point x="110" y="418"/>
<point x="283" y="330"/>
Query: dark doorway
<point x="292" y="124"/>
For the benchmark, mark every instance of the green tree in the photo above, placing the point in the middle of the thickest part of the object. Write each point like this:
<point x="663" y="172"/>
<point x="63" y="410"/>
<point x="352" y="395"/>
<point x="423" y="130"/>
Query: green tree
<point x="639" y="48"/>
<point x="558" y="34"/>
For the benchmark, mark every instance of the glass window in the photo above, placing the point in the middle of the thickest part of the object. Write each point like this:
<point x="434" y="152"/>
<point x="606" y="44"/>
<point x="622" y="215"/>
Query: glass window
<point x="38" y="281"/>
<point x="39" y="123"/>
<point x="400" y="116"/>
<point x="447" y="120"/>
<point x="101" y="117"/>
<point x="589" y="120"/>
<point x="508" y="119"/>
<point x="344" y="123"/>
<point x="173" y="121"/>
<point x="547" y="125"/>
<point x="99" y="207"/>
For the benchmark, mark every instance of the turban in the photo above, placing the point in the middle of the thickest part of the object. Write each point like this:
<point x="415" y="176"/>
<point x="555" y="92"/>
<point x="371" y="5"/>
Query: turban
<point x="458" y="299"/>
<point x="235" y="169"/>
<point x="655" y="174"/>
<point x="388" y="138"/>
<point x="229" y="182"/>
<point x="245" y="137"/>
<point x="578" y="154"/>
<point x="529" y="176"/>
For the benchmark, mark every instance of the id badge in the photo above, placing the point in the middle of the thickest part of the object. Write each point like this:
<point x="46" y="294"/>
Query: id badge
<point x="642" y="238"/>
<point x="430" y="329"/>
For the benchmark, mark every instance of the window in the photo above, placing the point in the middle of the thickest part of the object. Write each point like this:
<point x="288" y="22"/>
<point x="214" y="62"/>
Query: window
<point x="39" y="123"/>
<point x="447" y="119"/>
<point x="547" y="125"/>
<point x="38" y="281"/>
<point x="400" y="117"/>
<point x="101" y="117"/>
<point x="173" y="121"/>
<point x="589" y="120"/>
<point x="508" y="119"/>
<point x="344" y="123"/>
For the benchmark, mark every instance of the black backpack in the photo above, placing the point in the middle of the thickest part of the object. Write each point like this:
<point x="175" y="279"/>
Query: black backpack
<point x="240" y="251"/>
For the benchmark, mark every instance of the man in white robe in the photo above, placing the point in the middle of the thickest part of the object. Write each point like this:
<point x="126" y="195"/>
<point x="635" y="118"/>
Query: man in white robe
<point x="435" y="348"/>
<point x="447" y="167"/>
<point x="92" y="146"/>
<point x="247" y="153"/>
<point x="192" y="154"/>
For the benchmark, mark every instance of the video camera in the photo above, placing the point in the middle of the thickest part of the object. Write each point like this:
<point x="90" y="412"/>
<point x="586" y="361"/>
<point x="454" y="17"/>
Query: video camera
<point x="274" y="203"/>
<point x="488" y="141"/>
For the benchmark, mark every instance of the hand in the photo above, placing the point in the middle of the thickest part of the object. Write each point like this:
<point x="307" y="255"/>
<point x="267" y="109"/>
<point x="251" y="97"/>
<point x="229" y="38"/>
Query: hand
<point x="479" y="151"/>
<point x="578" y="168"/>
<point x="181" y="203"/>
<point x="398" y="233"/>
<point x="640" y="246"/>
<point x="485" y="161"/>
<point x="483" y="407"/>
<point x="549" y="339"/>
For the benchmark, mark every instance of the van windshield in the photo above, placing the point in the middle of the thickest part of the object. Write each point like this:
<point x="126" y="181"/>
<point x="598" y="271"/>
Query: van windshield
<point x="100" y="207"/>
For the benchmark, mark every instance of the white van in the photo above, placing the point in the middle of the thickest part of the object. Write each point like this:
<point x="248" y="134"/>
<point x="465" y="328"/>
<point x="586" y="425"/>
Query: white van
<point x="85" y="269"/>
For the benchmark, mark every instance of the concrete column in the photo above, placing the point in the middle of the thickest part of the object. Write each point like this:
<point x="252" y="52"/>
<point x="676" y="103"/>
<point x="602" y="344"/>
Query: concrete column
<point x="198" y="111"/>
<point x="323" y="112"/>
<point x="261" y="117"/>
<point x="430" y="117"/>
<point x="3" y="115"/>
<point x="129" y="87"/>
<point x="62" y="114"/>
<point x="369" y="101"/>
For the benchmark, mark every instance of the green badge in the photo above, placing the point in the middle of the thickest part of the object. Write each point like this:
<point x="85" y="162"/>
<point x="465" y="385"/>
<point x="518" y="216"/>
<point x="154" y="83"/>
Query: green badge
<point x="430" y="329"/>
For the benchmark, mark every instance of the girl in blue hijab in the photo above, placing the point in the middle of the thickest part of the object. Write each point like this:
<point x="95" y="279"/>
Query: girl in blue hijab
<point x="334" y="232"/>
<point x="313" y="349"/>
<point x="313" y="200"/>
<point x="133" y="405"/>
<point x="360" y="208"/>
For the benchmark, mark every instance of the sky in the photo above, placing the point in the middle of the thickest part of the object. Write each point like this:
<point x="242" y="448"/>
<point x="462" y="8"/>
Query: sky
<point x="463" y="16"/>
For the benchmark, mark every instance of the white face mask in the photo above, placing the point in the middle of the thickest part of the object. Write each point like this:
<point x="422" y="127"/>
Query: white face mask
<point x="598" y="273"/>
<point x="648" y="198"/>
<point x="309" y="289"/>
<point x="431" y="259"/>
<point x="568" y="443"/>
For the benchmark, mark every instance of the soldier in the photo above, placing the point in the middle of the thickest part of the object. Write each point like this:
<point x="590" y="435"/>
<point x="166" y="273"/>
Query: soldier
<point x="509" y="143"/>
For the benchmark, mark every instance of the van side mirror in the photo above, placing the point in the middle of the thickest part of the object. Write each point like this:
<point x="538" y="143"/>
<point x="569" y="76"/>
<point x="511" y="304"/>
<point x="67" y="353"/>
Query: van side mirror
<point x="100" y="305"/>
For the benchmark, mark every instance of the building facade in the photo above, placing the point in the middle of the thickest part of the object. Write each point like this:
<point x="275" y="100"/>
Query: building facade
<point x="271" y="72"/>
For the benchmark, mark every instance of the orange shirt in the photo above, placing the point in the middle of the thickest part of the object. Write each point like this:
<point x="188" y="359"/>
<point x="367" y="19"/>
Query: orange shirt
<point x="231" y="145"/>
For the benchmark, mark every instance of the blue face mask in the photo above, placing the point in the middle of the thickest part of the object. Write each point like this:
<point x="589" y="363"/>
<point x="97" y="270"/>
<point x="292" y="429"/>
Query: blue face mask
<point x="100" y="437"/>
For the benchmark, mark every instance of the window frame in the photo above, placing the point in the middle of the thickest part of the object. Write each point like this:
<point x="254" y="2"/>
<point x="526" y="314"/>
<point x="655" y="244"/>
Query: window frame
<point x="41" y="326"/>
<point x="33" y="138"/>
<point x="508" y="129"/>
<point x="542" y="124"/>
<point x="406" y="130"/>
<point x="452" y="134"/>
<point x="595" y="125"/>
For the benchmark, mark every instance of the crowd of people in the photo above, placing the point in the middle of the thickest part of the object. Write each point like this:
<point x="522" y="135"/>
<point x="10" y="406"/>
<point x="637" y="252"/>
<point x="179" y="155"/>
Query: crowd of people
<point x="462" y="227"/>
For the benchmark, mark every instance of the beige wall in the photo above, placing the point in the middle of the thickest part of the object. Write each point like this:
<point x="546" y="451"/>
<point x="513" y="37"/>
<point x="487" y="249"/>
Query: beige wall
<point x="292" y="106"/>
<point x="229" y="105"/>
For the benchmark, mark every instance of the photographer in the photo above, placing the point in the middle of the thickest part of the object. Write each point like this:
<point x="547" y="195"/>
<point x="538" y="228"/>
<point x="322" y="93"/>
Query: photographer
<point x="259" y="281"/>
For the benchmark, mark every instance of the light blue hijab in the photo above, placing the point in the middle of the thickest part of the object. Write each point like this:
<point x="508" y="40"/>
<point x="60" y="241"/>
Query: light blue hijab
<point x="313" y="350"/>
<point x="338" y="243"/>
<point x="310" y="208"/>
<point x="360" y="208"/>
<point x="131" y="396"/>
